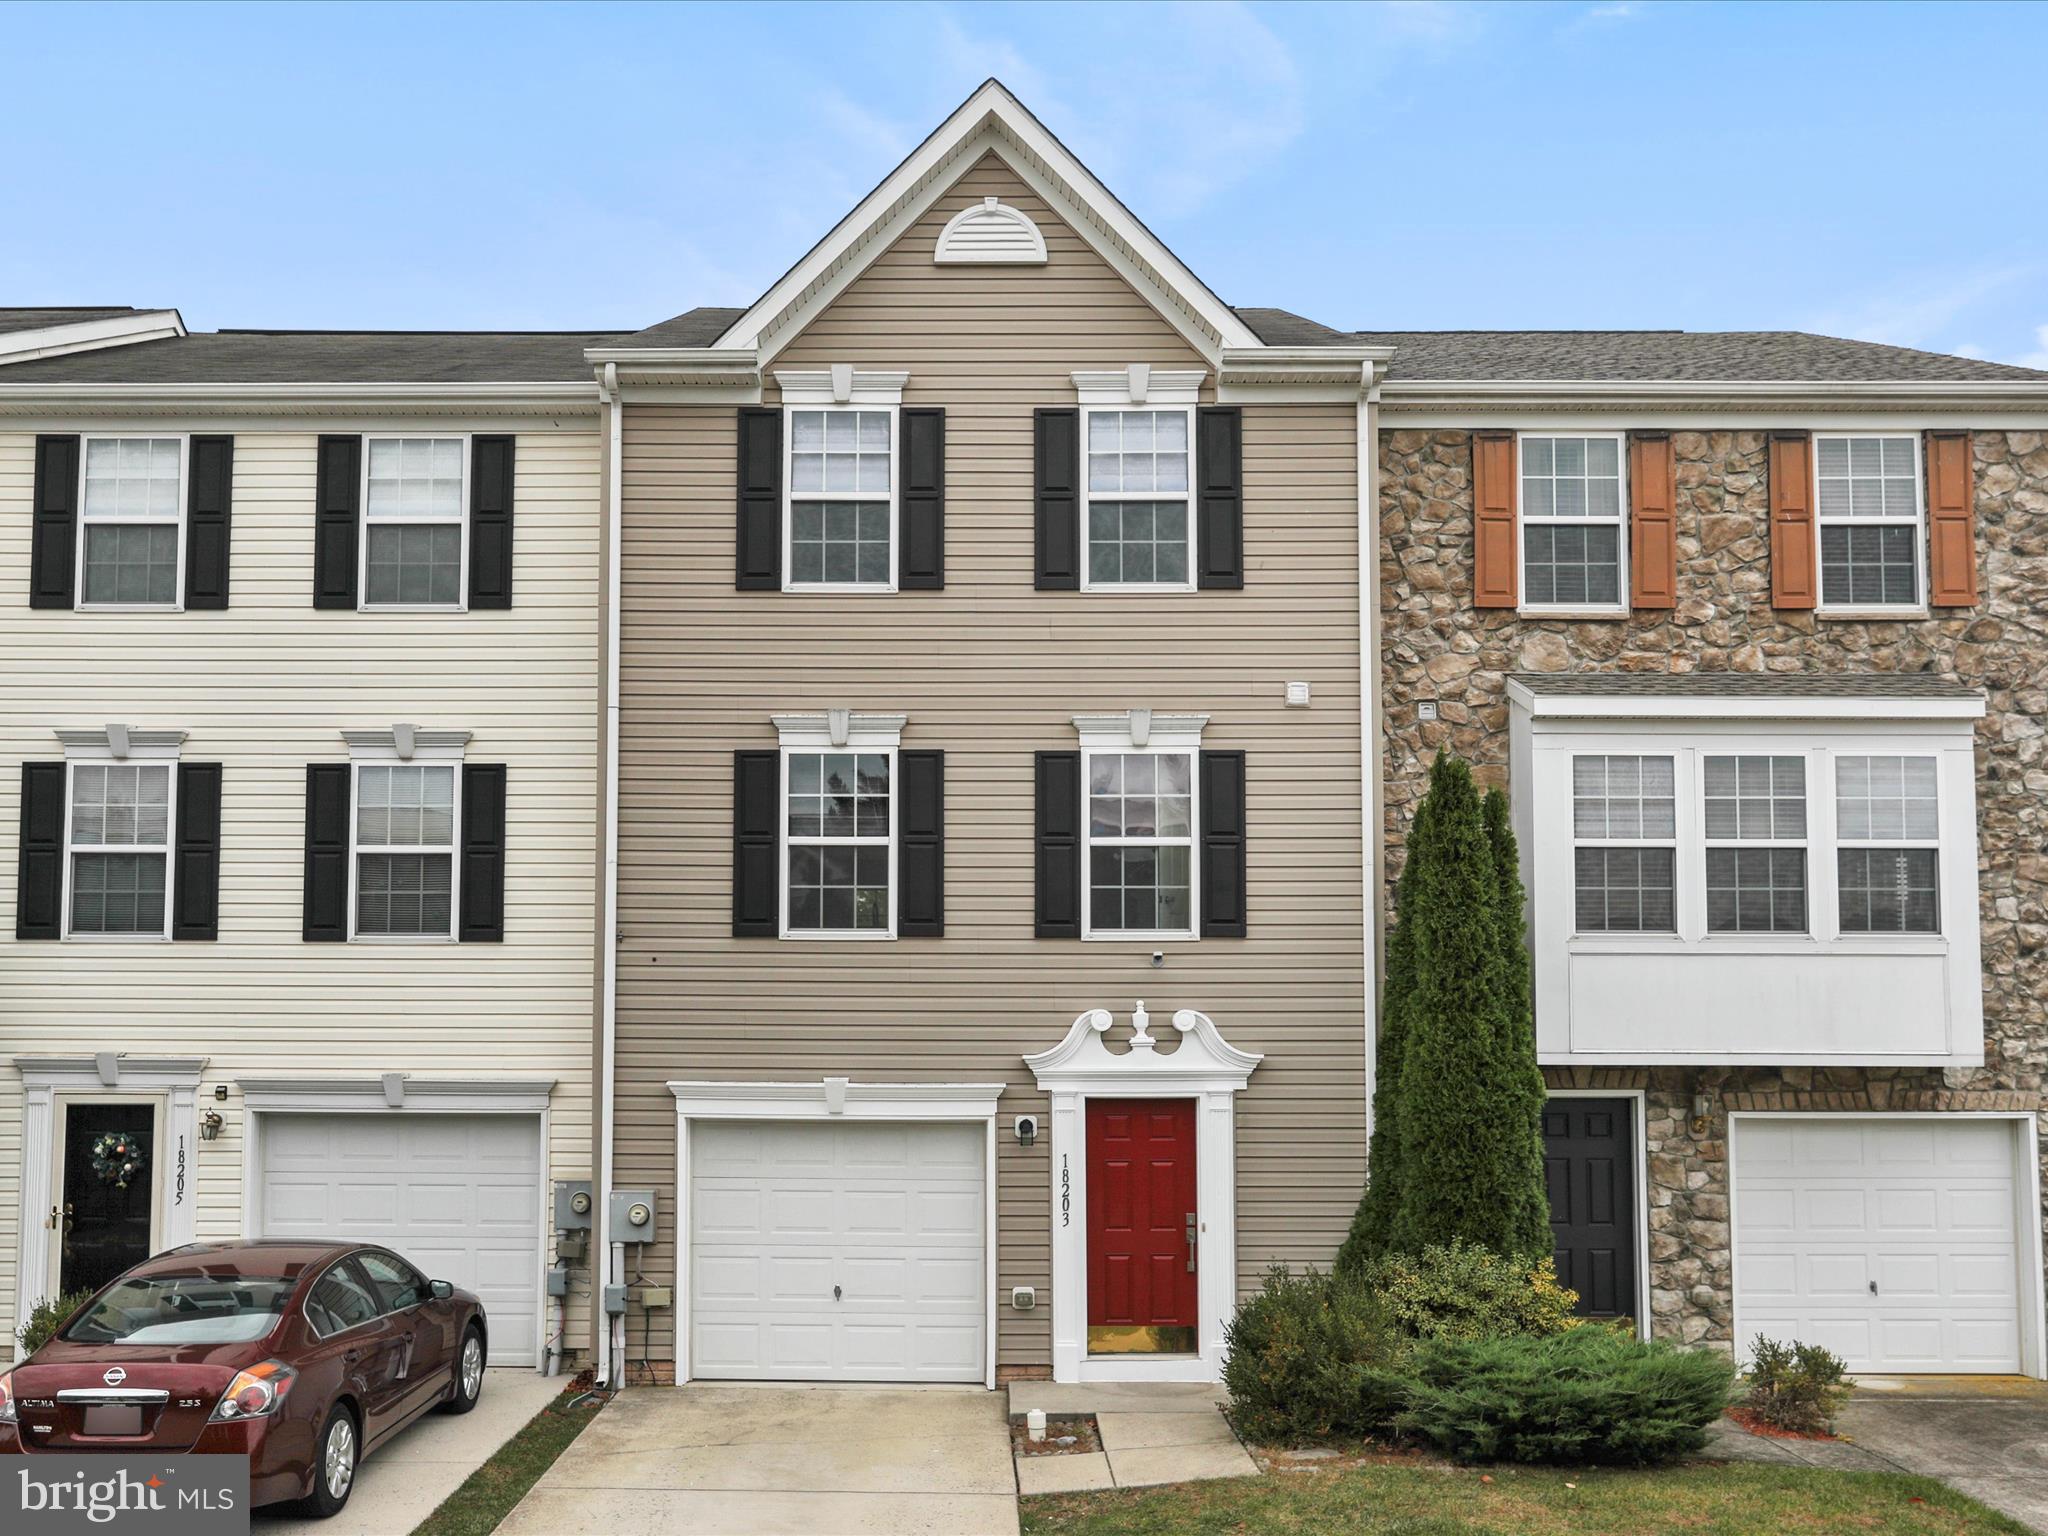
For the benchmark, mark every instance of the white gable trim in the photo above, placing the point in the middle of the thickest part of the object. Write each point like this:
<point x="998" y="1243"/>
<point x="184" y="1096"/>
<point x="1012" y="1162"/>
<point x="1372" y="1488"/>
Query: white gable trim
<point x="66" y="337"/>
<point x="990" y="119"/>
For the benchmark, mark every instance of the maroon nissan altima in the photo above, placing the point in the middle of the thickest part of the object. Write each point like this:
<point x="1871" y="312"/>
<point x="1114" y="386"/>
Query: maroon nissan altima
<point x="307" y="1357"/>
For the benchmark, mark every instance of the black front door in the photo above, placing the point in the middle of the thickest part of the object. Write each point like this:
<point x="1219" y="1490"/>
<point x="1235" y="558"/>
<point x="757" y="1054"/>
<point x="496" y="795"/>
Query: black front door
<point x="1589" y="1164"/>
<point x="109" y="1180"/>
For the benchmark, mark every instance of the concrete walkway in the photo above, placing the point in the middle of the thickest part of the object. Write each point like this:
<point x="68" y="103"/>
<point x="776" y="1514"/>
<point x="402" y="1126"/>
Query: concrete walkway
<point x="1986" y="1436"/>
<point x="1152" y="1432"/>
<point x="731" y="1460"/>
<point x="404" y="1482"/>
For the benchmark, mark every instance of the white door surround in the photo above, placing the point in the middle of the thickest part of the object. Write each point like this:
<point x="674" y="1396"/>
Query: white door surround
<point x="828" y="1099"/>
<point x="394" y="1093"/>
<point x="170" y="1081"/>
<point x="1205" y="1068"/>
<point x="2025" y="1284"/>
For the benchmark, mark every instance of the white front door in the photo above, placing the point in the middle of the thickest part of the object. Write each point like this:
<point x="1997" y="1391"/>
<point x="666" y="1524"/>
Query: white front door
<point x="1890" y="1240"/>
<point x="850" y="1251"/>
<point x="458" y="1195"/>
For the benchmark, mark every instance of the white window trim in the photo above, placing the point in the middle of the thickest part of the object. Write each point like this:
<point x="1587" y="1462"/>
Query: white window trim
<point x="363" y="603"/>
<point x="1917" y="609"/>
<point x="1672" y="842"/>
<point x="407" y="746"/>
<point x="1811" y="766"/>
<point x="1138" y="387"/>
<point x="1939" y="843"/>
<point x="1623" y="573"/>
<point x="1140" y="732"/>
<point x="184" y="442"/>
<point x="836" y="730"/>
<point x="841" y="387"/>
<point x="120" y="745"/>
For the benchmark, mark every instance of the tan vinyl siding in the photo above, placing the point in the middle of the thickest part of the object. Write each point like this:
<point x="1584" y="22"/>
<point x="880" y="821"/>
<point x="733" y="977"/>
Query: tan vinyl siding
<point x="265" y="688"/>
<point x="991" y="671"/>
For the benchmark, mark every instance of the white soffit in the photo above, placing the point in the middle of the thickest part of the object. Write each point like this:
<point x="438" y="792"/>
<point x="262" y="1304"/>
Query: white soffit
<point x="990" y="120"/>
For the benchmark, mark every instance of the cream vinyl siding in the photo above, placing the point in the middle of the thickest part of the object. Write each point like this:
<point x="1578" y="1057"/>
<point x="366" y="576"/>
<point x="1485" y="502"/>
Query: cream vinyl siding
<point x="991" y="671"/>
<point x="265" y="688"/>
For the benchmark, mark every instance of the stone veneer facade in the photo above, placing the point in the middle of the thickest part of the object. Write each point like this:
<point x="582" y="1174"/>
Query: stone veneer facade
<point x="1436" y="645"/>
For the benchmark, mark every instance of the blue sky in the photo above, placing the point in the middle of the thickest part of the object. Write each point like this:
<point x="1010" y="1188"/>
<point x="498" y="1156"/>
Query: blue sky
<point x="1870" y="172"/>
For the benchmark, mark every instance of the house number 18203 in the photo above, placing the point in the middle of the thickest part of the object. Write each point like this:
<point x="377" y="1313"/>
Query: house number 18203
<point x="1066" y="1193"/>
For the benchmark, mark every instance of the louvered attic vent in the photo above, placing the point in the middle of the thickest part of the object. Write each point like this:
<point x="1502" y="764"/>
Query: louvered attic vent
<point x="990" y="231"/>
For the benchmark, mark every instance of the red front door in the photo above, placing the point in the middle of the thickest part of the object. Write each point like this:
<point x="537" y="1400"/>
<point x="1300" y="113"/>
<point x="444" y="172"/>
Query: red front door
<point x="1141" y="1226"/>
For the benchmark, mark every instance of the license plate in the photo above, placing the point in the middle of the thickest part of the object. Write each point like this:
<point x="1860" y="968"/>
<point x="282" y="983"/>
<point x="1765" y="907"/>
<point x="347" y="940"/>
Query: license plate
<point x="113" y="1419"/>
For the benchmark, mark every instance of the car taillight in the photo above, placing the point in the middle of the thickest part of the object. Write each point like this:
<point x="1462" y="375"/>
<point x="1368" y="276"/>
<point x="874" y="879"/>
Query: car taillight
<point x="258" y="1391"/>
<point x="7" y="1415"/>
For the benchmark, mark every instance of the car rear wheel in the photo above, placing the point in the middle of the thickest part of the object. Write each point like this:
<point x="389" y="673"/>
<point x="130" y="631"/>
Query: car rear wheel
<point x="469" y="1371"/>
<point x="334" y="1465"/>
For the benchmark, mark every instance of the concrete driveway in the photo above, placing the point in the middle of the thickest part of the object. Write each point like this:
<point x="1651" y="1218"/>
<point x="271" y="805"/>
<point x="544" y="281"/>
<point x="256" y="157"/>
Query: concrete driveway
<point x="728" y="1460"/>
<point x="404" y="1482"/>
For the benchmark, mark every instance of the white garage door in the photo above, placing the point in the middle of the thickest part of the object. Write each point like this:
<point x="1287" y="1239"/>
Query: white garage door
<point x="1890" y="1241"/>
<point x="840" y="1252"/>
<point x="459" y="1195"/>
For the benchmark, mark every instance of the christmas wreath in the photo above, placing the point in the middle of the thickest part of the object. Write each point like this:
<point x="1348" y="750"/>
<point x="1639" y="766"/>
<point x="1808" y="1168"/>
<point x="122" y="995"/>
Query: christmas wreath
<point x="117" y="1157"/>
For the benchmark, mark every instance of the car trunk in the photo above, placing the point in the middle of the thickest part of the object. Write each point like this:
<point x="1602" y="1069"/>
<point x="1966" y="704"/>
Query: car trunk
<point x="157" y="1399"/>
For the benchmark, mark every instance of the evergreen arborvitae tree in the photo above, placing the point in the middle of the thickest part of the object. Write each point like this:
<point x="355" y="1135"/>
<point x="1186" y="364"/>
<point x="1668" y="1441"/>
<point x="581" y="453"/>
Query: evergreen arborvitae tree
<point x="1522" y="1079"/>
<point x="1467" y="1122"/>
<point x="1373" y="1223"/>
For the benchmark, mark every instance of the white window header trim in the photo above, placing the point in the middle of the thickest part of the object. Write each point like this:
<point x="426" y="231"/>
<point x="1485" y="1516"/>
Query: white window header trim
<point x="839" y="729"/>
<point x="840" y="384"/>
<point x="120" y="743"/>
<point x="1140" y="384"/>
<point x="1141" y="730"/>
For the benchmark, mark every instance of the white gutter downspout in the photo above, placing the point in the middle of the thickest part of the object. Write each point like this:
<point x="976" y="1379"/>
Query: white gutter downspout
<point x="1370" y="789"/>
<point x="612" y="1349"/>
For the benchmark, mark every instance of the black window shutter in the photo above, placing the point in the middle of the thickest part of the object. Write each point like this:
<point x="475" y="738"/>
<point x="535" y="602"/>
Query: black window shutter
<point x="208" y="505"/>
<point x="1058" y="824"/>
<point x="760" y="500"/>
<point x="483" y="854"/>
<point x="53" y="556"/>
<point x="1219" y="498"/>
<point x="1222" y="845"/>
<point x="39" y="878"/>
<point x="490" y="522"/>
<point x="337" y="515"/>
<point x="756" y="828"/>
<point x="921" y="844"/>
<point x="195" y="874"/>
<point x="1056" y="481"/>
<point x="326" y="911"/>
<point x="921" y="524"/>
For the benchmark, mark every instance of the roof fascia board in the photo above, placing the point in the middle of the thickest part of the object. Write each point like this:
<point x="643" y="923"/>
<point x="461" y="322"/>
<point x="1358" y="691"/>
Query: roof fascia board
<point x="550" y="398"/>
<point x="1548" y="706"/>
<point x="1796" y="394"/>
<point x="90" y="335"/>
<point x="982" y="122"/>
<point x="1297" y="375"/>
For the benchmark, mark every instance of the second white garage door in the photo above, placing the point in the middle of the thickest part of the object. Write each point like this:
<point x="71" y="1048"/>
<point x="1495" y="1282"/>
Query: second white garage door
<point x="458" y="1195"/>
<point x="837" y="1252"/>
<point x="1890" y="1240"/>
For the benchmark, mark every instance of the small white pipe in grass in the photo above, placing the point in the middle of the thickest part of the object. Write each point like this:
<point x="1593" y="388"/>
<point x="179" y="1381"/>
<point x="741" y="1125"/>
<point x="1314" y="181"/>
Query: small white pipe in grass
<point x="1034" y="1424"/>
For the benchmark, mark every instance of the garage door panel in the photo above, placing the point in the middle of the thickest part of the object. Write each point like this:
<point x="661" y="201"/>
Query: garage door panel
<point x="1900" y="1252"/>
<point x="458" y="1195"/>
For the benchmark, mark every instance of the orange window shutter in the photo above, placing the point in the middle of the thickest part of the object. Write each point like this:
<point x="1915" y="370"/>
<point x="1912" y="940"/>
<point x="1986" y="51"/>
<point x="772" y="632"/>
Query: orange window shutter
<point x="1951" y="521"/>
<point x="1495" y="580"/>
<point x="1795" y="573"/>
<point x="1653" y="520"/>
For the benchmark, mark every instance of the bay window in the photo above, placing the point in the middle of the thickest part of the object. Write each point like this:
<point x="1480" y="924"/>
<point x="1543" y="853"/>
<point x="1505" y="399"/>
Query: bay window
<point x="1887" y="844"/>
<point x="1625" y="837"/>
<point x="1755" y="823"/>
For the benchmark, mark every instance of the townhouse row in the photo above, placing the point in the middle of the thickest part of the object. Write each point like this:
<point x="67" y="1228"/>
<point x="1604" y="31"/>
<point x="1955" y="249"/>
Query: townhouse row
<point x="850" y="839"/>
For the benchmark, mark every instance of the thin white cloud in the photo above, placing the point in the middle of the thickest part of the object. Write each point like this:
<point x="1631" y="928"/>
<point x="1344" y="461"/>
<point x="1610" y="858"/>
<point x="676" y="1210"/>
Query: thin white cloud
<point x="2038" y="358"/>
<point x="1622" y="10"/>
<point x="1922" y="312"/>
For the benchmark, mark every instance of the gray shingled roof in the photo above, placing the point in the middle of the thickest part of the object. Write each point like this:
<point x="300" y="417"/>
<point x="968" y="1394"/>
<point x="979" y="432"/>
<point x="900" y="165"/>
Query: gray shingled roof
<point x="1743" y="685"/>
<point x="1639" y="356"/>
<point x="326" y="357"/>
<point x="60" y="314"/>
<point x="693" y="328"/>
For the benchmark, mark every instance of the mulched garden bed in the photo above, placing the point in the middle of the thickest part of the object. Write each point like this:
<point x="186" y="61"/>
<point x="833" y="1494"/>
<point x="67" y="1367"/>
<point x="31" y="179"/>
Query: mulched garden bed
<point x="1750" y="1420"/>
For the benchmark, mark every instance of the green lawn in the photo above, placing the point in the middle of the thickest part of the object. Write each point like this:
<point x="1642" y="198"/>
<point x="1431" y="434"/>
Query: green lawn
<point x="1421" y="1499"/>
<point x="487" y="1497"/>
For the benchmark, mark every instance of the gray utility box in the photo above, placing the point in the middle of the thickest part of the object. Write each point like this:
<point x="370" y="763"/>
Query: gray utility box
<point x="558" y="1282"/>
<point x="570" y="1194"/>
<point x="627" y="1205"/>
<point x="614" y="1301"/>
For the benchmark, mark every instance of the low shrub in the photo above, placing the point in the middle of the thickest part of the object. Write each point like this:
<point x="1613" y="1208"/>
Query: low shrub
<point x="1584" y="1395"/>
<point x="1800" y="1387"/>
<point x="1311" y="1356"/>
<point x="1465" y="1291"/>
<point x="46" y="1317"/>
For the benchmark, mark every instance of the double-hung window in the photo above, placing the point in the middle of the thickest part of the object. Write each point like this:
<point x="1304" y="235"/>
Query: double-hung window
<point x="839" y="843"/>
<point x="415" y="522"/>
<point x="1138" y="509"/>
<point x="1624" y="844"/>
<point x="1572" y="523"/>
<point x="841" y="518"/>
<point x="1870" y="519"/>
<point x="119" y="819"/>
<point x="405" y="815"/>
<point x="1888" y="844"/>
<point x="131" y="525"/>
<point x="1141" y="844"/>
<point x="1755" y="822"/>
